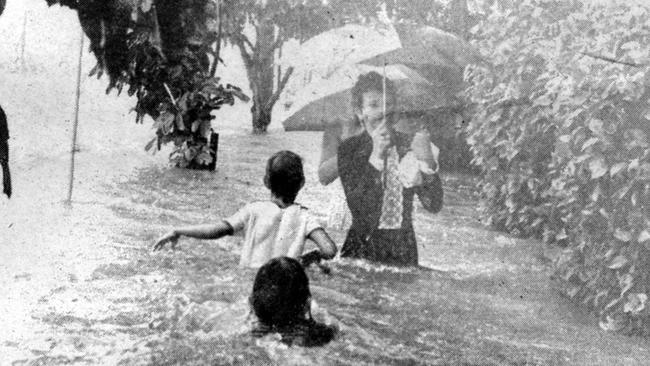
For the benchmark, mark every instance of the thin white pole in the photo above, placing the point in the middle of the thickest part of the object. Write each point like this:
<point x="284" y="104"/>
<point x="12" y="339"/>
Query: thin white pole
<point x="383" y="89"/>
<point x="23" y="40"/>
<point x="73" y="147"/>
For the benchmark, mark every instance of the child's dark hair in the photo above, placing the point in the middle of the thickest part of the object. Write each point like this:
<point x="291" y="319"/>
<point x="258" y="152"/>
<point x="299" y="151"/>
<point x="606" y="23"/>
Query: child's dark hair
<point x="280" y="292"/>
<point x="371" y="81"/>
<point x="284" y="175"/>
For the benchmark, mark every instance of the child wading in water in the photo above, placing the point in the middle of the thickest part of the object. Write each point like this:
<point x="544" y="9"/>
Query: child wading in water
<point x="281" y="300"/>
<point x="274" y="228"/>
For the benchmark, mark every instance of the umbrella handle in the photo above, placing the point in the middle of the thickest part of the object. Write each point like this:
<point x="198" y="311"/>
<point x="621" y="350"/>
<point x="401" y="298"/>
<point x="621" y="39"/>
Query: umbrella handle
<point x="383" y="89"/>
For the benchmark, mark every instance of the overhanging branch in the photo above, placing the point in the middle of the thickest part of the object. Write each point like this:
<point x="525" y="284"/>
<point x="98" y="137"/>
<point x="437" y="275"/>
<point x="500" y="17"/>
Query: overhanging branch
<point x="248" y="61"/>
<point x="612" y="60"/>
<point x="247" y="42"/>
<point x="276" y="95"/>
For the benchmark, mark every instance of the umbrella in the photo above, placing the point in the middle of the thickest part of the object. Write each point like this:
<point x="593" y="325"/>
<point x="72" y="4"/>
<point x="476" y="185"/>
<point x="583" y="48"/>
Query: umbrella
<point x="329" y="100"/>
<point x="435" y="54"/>
<point x="341" y="46"/>
<point x="427" y="47"/>
<point x="424" y="48"/>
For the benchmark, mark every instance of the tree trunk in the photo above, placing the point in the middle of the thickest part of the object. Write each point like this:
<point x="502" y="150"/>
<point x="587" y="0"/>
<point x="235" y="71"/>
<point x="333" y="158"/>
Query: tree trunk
<point x="261" y="80"/>
<point x="261" y="118"/>
<point x="263" y="76"/>
<point x="259" y="60"/>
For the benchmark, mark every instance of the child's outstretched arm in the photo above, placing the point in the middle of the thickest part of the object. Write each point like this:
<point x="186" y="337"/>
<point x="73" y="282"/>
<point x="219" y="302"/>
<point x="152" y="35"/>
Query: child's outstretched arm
<point x="210" y="231"/>
<point x="326" y="247"/>
<point x="324" y="242"/>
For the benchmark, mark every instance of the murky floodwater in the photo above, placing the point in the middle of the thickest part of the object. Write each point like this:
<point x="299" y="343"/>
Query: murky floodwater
<point x="484" y="298"/>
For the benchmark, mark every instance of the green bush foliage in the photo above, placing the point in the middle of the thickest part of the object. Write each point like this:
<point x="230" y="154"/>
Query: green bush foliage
<point x="164" y="53"/>
<point x="561" y="127"/>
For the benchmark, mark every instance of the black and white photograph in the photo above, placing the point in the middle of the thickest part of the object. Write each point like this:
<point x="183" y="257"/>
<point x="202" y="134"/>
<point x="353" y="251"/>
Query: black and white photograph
<point x="325" y="182"/>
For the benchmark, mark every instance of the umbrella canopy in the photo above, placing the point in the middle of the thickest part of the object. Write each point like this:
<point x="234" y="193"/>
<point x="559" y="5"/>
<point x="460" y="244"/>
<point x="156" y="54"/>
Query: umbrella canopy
<point x="427" y="46"/>
<point x="330" y="100"/>
<point x="341" y="46"/>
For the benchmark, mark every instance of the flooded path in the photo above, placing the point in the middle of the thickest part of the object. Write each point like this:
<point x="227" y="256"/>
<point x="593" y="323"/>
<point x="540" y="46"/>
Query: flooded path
<point x="85" y="288"/>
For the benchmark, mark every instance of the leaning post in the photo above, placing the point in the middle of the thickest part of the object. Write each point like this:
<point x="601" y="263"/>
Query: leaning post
<point x="73" y="147"/>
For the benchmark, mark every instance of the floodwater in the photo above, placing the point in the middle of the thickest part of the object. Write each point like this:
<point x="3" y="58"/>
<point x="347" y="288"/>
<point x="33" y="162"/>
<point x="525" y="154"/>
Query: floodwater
<point x="85" y="288"/>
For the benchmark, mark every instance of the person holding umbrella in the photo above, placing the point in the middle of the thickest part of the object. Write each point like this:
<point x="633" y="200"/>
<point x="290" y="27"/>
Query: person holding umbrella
<point x="381" y="171"/>
<point x="339" y="122"/>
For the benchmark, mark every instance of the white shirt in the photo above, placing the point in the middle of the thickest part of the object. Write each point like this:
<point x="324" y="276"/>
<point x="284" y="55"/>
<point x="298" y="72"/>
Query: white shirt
<point x="271" y="231"/>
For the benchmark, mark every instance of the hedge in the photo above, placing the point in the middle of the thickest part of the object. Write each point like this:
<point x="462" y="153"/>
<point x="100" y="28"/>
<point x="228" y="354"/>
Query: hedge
<point x="560" y="131"/>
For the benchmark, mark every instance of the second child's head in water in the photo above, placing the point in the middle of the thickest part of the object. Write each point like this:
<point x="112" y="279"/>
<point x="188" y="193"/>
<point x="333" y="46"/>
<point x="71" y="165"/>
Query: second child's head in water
<point x="281" y="295"/>
<point x="281" y="300"/>
<point x="284" y="176"/>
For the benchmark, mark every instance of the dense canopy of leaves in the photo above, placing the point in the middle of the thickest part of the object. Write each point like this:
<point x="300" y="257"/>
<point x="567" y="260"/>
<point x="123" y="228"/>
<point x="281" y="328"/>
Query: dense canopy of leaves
<point x="561" y="131"/>
<point x="161" y="52"/>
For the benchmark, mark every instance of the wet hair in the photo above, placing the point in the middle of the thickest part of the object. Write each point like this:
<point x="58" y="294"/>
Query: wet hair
<point x="284" y="175"/>
<point x="371" y="81"/>
<point x="280" y="293"/>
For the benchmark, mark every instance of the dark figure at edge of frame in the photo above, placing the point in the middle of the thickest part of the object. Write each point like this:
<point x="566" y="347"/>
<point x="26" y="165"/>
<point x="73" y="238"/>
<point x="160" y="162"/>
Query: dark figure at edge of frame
<point x="371" y="166"/>
<point x="4" y="154"/>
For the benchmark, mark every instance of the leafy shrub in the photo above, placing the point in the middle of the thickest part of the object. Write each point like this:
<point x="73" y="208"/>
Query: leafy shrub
<point x="561" y="132"/>
<point x="162" y="52"/>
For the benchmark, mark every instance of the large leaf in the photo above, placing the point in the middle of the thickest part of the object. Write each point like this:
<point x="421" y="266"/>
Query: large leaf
<point x="613" y="323"/>
<point x="149" y="146"/>
<point x="165" y="122"/>
<point x="236" y="91"/>
<point x="618" y="262"/>
<point x="598" y="168"/>
<point x="616" y="168"/>
<point x="589" y="142"/>
<point x="636" y="303"/>
<point x="644" y="236"/>
<point x="623" y="235"/>
<point x="596" y="126"/>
